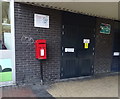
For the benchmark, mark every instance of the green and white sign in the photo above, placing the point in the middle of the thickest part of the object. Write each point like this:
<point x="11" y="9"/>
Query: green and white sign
<point x="105" y="28"/>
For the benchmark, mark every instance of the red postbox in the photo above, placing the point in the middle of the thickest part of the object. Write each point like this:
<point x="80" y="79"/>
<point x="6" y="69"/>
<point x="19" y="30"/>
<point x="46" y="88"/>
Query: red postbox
<point x="40" y="47"/>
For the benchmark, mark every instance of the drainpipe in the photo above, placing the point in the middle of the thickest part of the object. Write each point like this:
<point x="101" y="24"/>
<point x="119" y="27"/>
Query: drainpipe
<point x="41" y="72"/>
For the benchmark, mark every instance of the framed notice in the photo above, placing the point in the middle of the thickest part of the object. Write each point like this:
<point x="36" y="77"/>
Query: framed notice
<point x="105" y="28"/>
<point x="41" y="21"/>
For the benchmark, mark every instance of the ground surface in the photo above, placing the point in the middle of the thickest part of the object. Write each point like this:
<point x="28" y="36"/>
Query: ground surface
<point x="24" y="91"/>
<point x="102" y="87"/>
<point x="98" y="87"/>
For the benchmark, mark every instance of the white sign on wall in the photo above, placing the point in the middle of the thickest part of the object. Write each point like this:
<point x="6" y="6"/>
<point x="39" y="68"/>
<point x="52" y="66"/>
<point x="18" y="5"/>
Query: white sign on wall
<point x="86" y="40"/>
<point x="41" y="20"/>
<point x="116" y="54"/>
<point x="69" y="49"/>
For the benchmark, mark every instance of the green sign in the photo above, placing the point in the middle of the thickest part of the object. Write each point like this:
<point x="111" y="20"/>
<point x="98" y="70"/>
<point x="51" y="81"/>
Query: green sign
<point x="5" y="70"/>
<point x="105" y="28"/>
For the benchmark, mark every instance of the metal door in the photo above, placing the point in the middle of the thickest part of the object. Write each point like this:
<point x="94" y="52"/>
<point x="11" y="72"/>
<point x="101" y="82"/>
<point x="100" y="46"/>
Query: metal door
<point x="116" y="48"/>
<point x="76" y="59"/>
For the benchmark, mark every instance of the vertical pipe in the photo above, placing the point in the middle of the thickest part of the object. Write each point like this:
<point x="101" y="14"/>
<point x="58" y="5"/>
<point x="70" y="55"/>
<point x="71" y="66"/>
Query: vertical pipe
<point x="41" y="72"/>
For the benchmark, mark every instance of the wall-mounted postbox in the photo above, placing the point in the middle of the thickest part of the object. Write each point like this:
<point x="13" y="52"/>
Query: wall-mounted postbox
<point x="40" y="47"/>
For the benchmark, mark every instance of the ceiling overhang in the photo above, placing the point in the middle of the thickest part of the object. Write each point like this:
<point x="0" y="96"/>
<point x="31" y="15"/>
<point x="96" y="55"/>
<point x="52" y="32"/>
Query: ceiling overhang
<point x="100" y="9"/>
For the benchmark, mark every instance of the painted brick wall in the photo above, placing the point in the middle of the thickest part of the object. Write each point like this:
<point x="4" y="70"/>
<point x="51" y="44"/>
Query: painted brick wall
<point x="27" y="67"/>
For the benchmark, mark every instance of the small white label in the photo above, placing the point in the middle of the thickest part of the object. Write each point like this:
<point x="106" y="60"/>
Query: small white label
<point x="116" y="54"/>
<point x="69" y="49"/>
<point x="42" y="52"/>
<point x="86" y="40"/>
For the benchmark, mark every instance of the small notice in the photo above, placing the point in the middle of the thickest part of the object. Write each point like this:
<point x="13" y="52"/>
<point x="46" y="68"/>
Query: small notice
<point x="116" y="54"/>
<point x="86" y="45"/>
<point x="41" y="20"/>
<point x="86" y="41"/>
<point x="105" y="28"/>
<point x="69" y="50"/>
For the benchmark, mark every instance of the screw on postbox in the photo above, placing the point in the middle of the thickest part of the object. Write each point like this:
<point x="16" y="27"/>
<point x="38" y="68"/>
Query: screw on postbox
<point x="40" y="47"/>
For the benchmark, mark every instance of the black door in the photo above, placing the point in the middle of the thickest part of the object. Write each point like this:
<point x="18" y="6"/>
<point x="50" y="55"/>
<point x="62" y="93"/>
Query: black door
<point x="116" y="48"/>
<point x="77" y="59"/>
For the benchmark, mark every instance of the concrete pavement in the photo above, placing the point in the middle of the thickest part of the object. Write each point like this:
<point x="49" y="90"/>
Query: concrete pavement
<point x="100" y="87"/>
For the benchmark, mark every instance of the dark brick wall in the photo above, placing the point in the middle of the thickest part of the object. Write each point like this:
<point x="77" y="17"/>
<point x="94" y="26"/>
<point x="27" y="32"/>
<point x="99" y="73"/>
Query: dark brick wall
<point x="27" y="66"/>
<point x="103" y="47"/>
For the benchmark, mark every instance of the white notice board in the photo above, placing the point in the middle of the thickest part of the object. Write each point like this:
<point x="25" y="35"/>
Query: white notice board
<point x="41" y="21"/>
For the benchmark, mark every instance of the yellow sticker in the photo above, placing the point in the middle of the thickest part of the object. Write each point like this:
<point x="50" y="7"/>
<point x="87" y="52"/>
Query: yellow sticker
<point x="86" y="45"/>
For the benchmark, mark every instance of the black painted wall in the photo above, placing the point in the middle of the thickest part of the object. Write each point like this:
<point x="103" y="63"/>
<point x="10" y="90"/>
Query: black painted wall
<point x="27" y="66"/>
